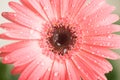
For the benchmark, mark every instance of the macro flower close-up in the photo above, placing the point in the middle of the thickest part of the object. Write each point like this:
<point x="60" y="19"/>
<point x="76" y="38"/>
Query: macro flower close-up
<point x="60" y="39"/>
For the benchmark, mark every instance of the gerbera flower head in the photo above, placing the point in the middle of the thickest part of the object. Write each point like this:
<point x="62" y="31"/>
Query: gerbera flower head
<point x="60" y="39"/>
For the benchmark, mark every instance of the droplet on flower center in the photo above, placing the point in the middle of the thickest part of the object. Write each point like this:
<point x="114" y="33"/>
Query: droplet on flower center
<point x="62" y="39"/>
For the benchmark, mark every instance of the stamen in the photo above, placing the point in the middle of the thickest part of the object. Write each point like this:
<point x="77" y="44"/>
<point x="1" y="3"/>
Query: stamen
<point x="62" y="38"/>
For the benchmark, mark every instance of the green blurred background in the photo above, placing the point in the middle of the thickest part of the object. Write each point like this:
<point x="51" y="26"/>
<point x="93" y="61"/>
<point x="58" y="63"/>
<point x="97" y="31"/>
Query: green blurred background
<point x="6" y="69"/>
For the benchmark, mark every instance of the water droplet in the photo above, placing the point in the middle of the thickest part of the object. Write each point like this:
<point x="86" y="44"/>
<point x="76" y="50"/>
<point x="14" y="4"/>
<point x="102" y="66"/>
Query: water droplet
<point x="108" y="44"/>
<point x="90" y="20"/>
<point x="6" y="58"/>
<point x="89" y="24"/>
<point x="103" y="55"/>
<point x="45" y="8"/>
<point x="95" y="61"/>
<point x="97" y="25"/>
<point x="84" y="18"/>
<point x="87" y="31"/>
<point x="90" y="47"/>
<point x="98" y="78"/>
<point x="96" y="15"/>
<point x="21" y="32"/>
<point x="28" y="56"/>
<point x="38" y="62"/>
<point x="14" y="15"/>
<point x="65" y="50"/>
<point x="93" y="52"/>
<point x="42" y="63"/>
<point x="82" y="70"/>
<point x="56" y="74"/>
<point x="84" y="41"/>
<point x="58" y="44"/>
<point x="94" y="43"/>
<point x="109" y="37"/>
<point x="98" y="51"/>
<point x="96" y="32"/>
<point x="31" y="31"/>
<point x="79" y="67"/>
<point x="101" y="44"/>
<point x="49" y="69"/>
<point x="107" y="57"/>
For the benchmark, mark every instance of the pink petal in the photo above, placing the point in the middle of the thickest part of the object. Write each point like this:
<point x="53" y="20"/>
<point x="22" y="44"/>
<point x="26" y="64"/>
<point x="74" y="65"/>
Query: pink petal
<point x="19" y="69"/>
<point x="73" y="73"/>
<point x="101" y="30"/>
<point x="4" y="36"/>
<point x="76" y="6"/>
<point x="98" y="73"/>
<point x="89" y="20"/>
<point x="34" y="6"/>
<point x="23" y="55"/>
<point x="47" y="75"/>
<point x="24" y="21"/>
<point x="109" y="19"/>
<point x="55" y="75"/>
<point x="84" y="71"/>
<point x="64" y="7"/>
<point x="110" y="41"/>
<point x="44" y="63"/>
<point x="58" y="71"/>
<point x="56" y="6"/>
<point x="25" y="60"/>
<point x="19" y="32"/>
<point x="47" y="7"/>
<point x="27" y="72"/>
<point x="98" y="61"/>
<point x="92" y="7"/>
<point x="20" y="9"/>
<point x="14" y="46"/>
<point x="101" y="51"/>
<point x="62" y="71"/>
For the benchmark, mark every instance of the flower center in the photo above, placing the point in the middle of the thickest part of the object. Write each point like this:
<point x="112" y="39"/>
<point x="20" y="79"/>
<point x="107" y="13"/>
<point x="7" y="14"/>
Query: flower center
<point x="62" y="39"/>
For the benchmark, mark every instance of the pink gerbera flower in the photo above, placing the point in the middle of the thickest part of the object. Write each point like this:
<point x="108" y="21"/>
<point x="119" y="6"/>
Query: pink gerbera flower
<point x="60" y="39"/>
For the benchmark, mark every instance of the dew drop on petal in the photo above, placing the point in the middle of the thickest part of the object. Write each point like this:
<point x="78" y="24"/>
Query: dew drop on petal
<point x="98" y="51"/>
<point x="89" y="24"/>
<point x="79" y="68"/>
<point x="49" y="69"/>
<point x="101" y="44"/>
<point x="109" y="37"/>
<point x="56" y="74"/>
<point x="95" y="61"/>
<point x="90" y="20"/>
<point x="103" y="55"/>
<point x="14" y="15"/>
<point x="45" y="8"/>
<point x="28" y="56"/>
<point x="84" y="18"/>
<point x="90" y="47"/>
<point x="93" y="52"/>
<point x="42" y="63"/>
<point x="38" y="62"/>
<point x="108" y="44"/>
<point x="87" y="31"/>
<point x="31" y="31"/>
<point x="94" y="43"/>
<point x="97" y="25"/>
<point x="96" y="32"/>
<point x="98" y="77"/>
<point x="6" y="58"/>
